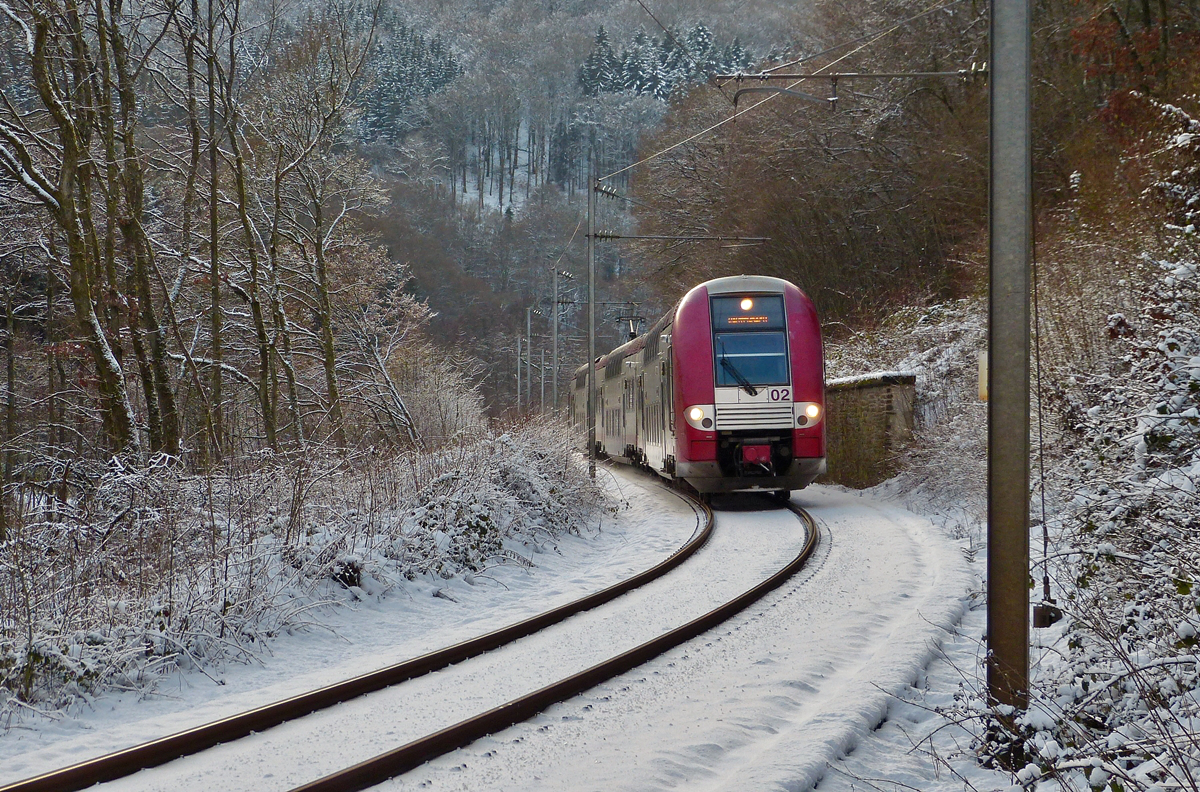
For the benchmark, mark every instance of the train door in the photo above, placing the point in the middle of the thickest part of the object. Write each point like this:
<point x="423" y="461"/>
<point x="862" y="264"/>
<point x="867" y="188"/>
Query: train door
<point x="639" y="431"/>
<point x="664" y="406"/>
<point x="625" y="405"/>
<point x="669" y="389"/>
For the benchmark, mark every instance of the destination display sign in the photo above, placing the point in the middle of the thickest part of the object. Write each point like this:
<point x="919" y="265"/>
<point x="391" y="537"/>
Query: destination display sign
<point x="747" y="312"/>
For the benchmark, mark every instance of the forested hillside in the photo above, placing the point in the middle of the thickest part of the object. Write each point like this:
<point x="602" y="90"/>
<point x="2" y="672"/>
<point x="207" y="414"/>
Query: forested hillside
<point x="218" y="217"/>
<point x="880" y="200"/>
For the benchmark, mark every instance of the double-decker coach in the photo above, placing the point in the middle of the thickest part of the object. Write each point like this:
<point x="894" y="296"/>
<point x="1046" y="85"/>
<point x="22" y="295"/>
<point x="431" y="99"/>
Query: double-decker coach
<point x="726" y="391"/>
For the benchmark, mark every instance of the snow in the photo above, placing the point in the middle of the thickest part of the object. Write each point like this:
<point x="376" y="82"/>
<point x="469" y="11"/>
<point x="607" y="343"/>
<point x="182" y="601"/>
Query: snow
<point x="361" y="524"/>
<point x="765" y="702"/>
<point x="770" y="700"/>
<point x="875" y="376"/>
<point x="421" y="616"/>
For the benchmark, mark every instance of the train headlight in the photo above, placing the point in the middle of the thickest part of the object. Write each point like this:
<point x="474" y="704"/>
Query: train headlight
<point x="700" y="416"/>
<point x="747" y="304"/>
<point x="808" y="413"/>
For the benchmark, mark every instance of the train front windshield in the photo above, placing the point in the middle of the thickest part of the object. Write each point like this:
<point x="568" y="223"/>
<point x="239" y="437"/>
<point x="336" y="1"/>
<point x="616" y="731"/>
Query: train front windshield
<point x="750" y="340"/>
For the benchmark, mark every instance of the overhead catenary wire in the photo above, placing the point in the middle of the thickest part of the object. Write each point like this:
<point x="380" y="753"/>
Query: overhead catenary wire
<point x="852" y="42"/>
<point x="570" y="241"/>
<point x="866" y="41"/>
<point x="609" y="192"/>
<point x="605" y="190"/>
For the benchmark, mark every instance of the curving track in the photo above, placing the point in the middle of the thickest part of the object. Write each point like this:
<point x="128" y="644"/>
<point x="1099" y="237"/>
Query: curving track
<point x="407" y="757"/>
<point x="435" y="682"/>
<point x="325" y="742"/>
<point x="765" y="701"/>
<point x="768" y="700"/>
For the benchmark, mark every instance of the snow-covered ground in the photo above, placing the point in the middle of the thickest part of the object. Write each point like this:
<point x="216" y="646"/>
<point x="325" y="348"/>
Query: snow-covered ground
<point x="773" y="700"/>
<point x="769" y="700"/>
<point x="383" y="629"/>
<point x="924" y="743"/>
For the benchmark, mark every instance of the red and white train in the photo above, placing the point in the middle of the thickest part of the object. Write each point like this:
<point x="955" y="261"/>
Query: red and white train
<point x="727" y="391"/>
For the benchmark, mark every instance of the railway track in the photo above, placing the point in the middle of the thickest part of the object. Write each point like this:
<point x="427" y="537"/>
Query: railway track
<point x="407" y="757"/>
<point x="417" y="752"/>
<point x="119" y="764"/>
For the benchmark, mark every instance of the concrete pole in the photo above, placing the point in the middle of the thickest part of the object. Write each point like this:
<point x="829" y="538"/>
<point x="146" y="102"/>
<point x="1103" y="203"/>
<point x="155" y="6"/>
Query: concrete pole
<point x="529" y="358"/>
<point x="518" y="373"/>
<point x="554" y="345"/>
<point x="542" y="408"/>
<point x="1010" y="228"/>
<point x="591" y="359"/>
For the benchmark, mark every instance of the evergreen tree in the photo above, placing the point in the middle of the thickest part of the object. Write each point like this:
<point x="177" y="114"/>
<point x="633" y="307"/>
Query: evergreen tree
<point x="700" y="44"/>
<point x="658" y="67"/>
<point x="676" y="64"/>
<point x="599" y="72"/>
<point x="405" y="69"/>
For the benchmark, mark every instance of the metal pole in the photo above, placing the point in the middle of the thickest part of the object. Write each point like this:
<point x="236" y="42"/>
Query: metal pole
<point x="542" y="409"/>
<point x="528" y="358"/>
<point x="554" y="344"/>
<point x="518" y="373"/>
<point x="591" y="361"/>
<point x="1010" y="224"/>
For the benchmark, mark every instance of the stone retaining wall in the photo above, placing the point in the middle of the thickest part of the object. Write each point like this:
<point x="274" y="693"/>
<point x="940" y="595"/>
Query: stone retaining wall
<point x="868" y="420"/>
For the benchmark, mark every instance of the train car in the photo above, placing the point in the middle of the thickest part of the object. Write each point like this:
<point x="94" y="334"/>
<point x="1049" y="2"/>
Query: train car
<point x="726" y="391"/>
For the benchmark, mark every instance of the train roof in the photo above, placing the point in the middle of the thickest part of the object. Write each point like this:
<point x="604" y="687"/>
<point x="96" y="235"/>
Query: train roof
<point x="745" y="283"/>
<point x="728" y="285"/>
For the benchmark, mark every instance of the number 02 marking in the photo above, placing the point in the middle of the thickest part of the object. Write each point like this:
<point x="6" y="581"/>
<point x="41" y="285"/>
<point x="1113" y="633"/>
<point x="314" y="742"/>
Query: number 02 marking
<point x="781" y="394"/>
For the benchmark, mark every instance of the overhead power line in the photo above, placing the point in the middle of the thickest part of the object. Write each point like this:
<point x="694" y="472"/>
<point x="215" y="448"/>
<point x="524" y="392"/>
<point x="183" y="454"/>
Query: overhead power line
<point x="852" y="42"/>
<point x="863" y="41"/>
<point x="976" y="71"/>
<point x="681" y="238"/>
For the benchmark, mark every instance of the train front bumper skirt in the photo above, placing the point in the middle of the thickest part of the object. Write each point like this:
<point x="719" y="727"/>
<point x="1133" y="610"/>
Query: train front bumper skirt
<point x="707" y="477"/>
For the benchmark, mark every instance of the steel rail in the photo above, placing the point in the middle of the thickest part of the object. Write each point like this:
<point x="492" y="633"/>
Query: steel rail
<point x="191" y="741"/>
<point x="408" y="757"/>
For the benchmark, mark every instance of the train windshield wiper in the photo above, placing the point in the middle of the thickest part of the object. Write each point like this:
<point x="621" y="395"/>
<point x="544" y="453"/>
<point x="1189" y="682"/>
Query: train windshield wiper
<point x="737" y="375"/>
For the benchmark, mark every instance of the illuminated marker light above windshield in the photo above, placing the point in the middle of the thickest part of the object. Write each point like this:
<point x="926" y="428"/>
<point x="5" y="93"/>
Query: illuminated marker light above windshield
<point x="747" y="304"/>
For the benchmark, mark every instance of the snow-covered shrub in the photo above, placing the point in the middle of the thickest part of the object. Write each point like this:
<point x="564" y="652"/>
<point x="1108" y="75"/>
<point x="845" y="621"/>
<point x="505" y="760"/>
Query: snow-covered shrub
<point x="155" y="571"/>
<point x="1116" y="700"/>
<point x="1116" y="683"/>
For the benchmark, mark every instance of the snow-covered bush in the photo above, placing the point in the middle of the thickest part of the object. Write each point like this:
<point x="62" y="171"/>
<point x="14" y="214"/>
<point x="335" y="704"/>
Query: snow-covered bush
<point x="1116" y="684"/>
<point x="1117" y="694"/>
<point x="155" y="571"/>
